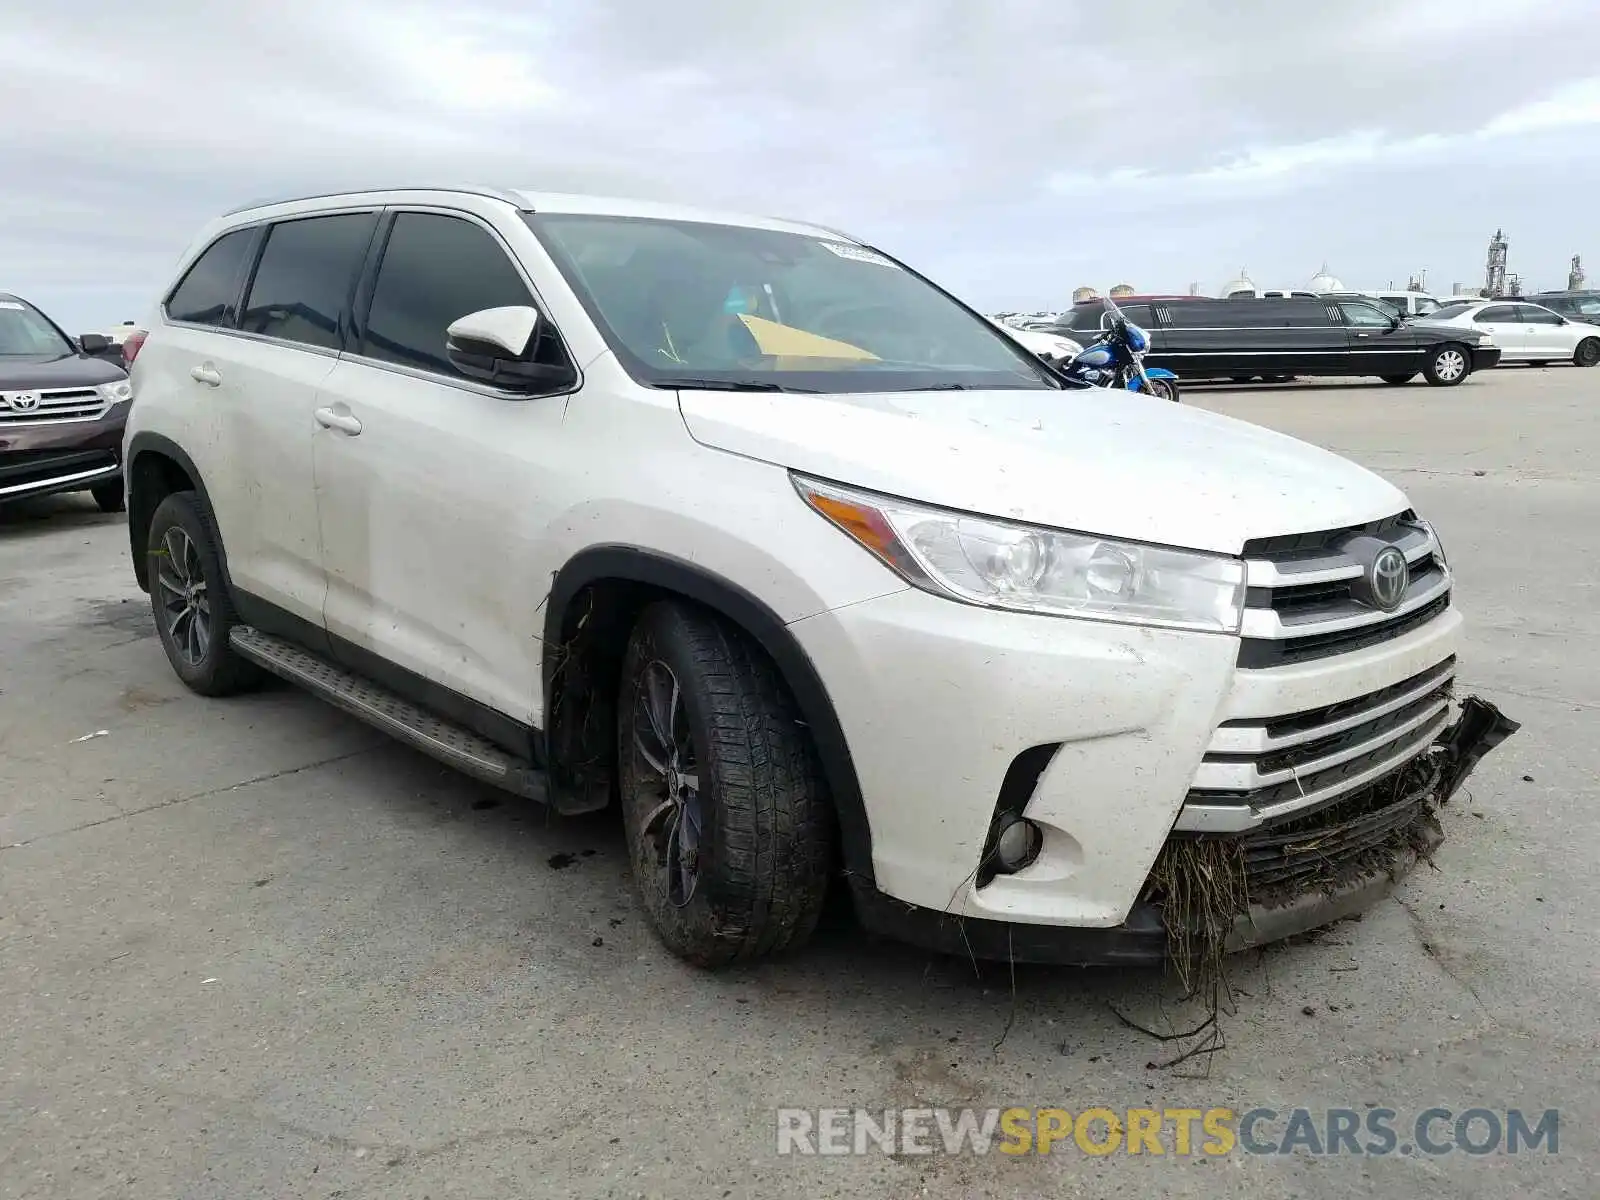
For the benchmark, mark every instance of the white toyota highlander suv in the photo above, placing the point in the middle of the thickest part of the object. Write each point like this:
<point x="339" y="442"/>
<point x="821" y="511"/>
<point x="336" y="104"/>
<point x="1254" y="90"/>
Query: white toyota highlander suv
<point x="745" y="526"/>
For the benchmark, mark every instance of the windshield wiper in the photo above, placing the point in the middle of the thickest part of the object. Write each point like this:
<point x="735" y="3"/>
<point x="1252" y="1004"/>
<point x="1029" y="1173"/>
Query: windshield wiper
<point x="727" y="385"/>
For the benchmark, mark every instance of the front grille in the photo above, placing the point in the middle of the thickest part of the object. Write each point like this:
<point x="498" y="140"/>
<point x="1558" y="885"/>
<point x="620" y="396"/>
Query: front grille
<point x="23" y="468"/>
<point x="1361" y="833"/>
<point x="58" y="404"/>
<point x="1255" y="772"/>
<point x="1302" y="599"/>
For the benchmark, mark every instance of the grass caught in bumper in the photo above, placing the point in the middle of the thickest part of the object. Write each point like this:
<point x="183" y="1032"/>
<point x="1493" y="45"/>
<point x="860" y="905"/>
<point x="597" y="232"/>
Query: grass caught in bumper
<point x="1208" y="897"/>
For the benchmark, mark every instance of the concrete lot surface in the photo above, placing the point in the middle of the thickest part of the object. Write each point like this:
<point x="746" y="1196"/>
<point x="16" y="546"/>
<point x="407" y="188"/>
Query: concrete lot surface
<point x="250" y="948"/>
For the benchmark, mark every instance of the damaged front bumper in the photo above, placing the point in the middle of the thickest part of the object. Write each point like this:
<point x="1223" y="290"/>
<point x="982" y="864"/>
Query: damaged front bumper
<point x="1241" y="890"/>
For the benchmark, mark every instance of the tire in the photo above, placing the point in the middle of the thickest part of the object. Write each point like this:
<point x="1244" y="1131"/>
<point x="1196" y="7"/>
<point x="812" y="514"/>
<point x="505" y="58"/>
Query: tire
<point x="1164" y="389"/>
<point x="1587" y="354"/>
<point x="1447" y="365"/>
<point x="750" y="793"/>
<point x="109" y="497"/>
<point x="190" y="599"/>
<point x="1398" y="380"/>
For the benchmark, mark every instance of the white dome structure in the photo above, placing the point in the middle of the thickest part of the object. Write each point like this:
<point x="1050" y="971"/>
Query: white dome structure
<point x="1325" y="281"/>
<point x="1242" y="284"/>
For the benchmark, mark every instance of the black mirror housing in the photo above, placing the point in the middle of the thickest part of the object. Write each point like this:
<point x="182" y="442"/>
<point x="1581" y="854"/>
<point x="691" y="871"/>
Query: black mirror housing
<point x="487" y="363"/>
<point x="94" y="343"/>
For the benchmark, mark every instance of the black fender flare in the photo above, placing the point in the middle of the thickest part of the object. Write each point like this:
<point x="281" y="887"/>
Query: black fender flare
<point x="155" y="443"/>
<point x="634" y="565"/>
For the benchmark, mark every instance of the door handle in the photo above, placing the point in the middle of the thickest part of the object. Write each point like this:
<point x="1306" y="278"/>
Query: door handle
<point x="207" y="374"/>
<point x="343" y="422"/>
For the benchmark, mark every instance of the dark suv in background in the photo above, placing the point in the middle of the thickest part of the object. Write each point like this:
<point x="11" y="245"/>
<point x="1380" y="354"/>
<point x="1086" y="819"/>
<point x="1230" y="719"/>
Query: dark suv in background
<point x="63" y="403"/>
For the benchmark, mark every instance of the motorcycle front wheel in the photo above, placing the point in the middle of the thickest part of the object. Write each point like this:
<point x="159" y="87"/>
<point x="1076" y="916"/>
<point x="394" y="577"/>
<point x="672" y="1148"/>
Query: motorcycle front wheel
<point x="1166" y="389"/>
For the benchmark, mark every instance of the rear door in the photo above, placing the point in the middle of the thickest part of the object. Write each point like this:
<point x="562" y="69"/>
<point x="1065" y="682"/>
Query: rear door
<point x="292" y="327"/>
<point x="1500" y="321"/>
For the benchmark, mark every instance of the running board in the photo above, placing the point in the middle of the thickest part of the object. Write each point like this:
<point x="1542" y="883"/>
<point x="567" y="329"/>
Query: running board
<point x="377" y="706"/>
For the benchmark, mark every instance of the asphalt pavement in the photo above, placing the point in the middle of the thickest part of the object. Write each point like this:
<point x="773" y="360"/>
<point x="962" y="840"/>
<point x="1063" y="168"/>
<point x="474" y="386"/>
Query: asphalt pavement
<point x="251" y="948"/>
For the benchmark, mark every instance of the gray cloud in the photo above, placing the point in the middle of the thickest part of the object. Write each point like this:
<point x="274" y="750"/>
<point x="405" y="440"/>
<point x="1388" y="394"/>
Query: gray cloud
<point x="1012" y="149"/>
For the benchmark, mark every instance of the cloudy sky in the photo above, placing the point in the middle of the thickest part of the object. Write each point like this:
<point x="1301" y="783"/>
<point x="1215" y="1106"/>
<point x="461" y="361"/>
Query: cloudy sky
<point x="1013" y="149"/>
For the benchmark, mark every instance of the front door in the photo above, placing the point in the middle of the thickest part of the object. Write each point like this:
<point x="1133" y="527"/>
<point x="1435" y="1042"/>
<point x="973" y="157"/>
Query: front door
<point x="431" y="506"/>
<point x="1378" y="343"/>
<point x="1549" y="338"/>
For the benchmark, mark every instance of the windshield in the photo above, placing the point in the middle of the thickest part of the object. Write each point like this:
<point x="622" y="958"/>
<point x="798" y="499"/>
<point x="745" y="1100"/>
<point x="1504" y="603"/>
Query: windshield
<point x="24" y="333"/>
<point x="687" y="303"/>
<point x="1452" y="310"/>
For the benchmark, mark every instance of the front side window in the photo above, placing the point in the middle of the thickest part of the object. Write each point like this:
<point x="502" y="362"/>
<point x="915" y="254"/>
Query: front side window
<point x="1426" y="305"/>
<point x="1532" y="314"/>
<point x="303" y="281"/>
<point x="25" y="332"/>
<point x="209" y="291"/>
<point x="435" y="270"/>
<point x="688" y="303"/>
<point x="1364" y="315"/>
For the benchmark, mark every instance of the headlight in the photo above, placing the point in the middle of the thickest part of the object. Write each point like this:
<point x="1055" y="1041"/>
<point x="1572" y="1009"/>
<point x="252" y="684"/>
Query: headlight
<point x="1027" y="569"/>
<point x="116" y="392"/>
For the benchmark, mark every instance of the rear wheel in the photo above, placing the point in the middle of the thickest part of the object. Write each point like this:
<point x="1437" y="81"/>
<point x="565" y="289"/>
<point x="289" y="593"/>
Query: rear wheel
<point x="193" y="613"/>
<point x="1588" y="353"/>
<point x="108" y="497"/>
<point x="729" y="828"/>
<point x="1397" y="380"/>
<point x="1447" y="365"/>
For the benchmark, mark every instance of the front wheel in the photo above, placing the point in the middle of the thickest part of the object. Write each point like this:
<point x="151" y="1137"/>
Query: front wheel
<point x="728" y="823"/>
<point x="1447" y="366"/>
<point x="1587" y="354"/>
<point x="1398" y="380"/>
<point x="1165" y="389"/>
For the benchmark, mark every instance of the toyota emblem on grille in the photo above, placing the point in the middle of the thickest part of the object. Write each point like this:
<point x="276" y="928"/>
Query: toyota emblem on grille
<point x="21" y="401"/>
<point x="1387" y="578"/>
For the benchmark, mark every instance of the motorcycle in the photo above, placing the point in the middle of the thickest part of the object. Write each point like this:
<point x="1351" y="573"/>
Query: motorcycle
<point x="1116" y="360"/>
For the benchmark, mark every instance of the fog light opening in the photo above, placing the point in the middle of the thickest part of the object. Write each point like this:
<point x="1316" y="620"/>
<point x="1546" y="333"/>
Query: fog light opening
<point x="1017" y="842"/>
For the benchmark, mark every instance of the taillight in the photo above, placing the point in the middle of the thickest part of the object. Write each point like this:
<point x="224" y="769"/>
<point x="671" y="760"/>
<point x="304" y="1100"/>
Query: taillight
<point x="130" y="346"/>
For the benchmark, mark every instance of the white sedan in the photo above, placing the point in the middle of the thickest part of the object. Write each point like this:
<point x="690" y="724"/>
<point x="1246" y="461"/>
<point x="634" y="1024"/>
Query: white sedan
<point x="1524" y="332"/>
<point x="1046" y="345"/>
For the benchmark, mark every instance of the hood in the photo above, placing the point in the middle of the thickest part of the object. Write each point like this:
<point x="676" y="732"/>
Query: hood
<point x="69" y="370"/>
<point x="1098" y="461"/>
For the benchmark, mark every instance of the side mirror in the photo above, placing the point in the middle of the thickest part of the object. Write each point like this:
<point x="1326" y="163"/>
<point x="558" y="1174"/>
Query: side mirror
<point x="94" y="343"/>
<point x="491" y="345"/>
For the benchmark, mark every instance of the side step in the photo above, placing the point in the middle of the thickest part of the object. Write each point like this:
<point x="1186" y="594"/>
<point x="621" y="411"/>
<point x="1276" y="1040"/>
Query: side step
<point x="377" y="706"/>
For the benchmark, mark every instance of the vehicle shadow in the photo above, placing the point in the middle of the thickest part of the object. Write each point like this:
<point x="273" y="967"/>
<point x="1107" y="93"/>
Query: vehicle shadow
<point x="41" y="516"/>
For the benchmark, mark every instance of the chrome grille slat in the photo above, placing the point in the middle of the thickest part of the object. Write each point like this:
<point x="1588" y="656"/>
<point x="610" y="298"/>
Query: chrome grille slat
<point x="1259" y="737"/>
<point x="1253" y="774"/>
<point x="57" y="405"/>
<point x="1238" y="812"/>
<point x="1303" y="602"/>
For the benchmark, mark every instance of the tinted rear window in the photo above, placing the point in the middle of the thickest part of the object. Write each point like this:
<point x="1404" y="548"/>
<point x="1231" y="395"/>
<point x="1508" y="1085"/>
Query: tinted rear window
<point x="1248" y="314"/>
<point x="208" y="292"/>
<point x="305" y="277"/>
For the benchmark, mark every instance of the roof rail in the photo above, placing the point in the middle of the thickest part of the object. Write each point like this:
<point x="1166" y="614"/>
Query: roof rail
<point x="465" y="189"/>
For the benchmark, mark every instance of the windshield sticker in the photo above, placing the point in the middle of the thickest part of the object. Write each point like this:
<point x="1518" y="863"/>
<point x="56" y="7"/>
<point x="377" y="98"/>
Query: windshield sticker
<point x="858" y="254"/>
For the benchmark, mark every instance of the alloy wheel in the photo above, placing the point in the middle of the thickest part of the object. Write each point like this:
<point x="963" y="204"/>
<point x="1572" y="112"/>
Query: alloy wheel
<point x="1451" y="364"/>
<point x="185" y="604"/>
<point x="672" y="829"/>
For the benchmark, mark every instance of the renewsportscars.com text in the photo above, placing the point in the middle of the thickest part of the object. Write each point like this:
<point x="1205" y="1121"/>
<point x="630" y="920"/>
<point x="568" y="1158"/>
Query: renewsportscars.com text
<point x="1182" y="1132"/>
